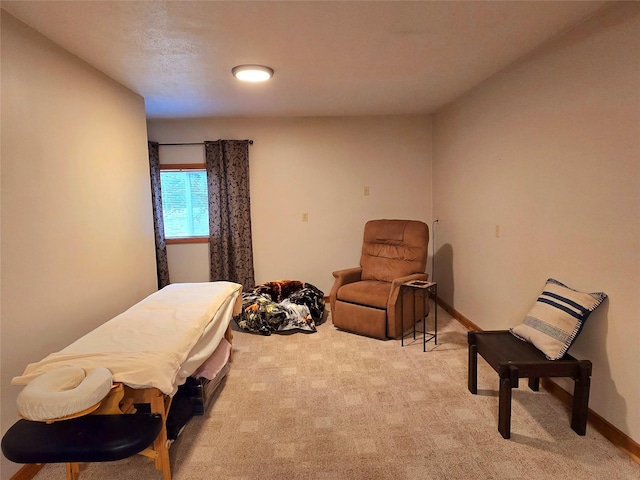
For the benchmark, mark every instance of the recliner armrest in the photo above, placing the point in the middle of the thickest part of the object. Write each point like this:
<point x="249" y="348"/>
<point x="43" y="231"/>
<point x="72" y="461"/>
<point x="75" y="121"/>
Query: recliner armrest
<point x="395" y="286"/>
<point x="394" y="322"/>
<point x="343" y="277"/>
<point x="349" y="275"/>
<point x="399" y="281"/>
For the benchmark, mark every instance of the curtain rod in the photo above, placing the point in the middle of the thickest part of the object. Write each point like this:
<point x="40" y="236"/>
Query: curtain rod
<point x="195" y="143"/>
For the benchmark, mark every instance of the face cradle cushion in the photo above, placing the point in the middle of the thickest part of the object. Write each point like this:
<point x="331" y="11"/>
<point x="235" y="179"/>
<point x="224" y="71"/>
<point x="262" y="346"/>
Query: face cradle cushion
<point x="63" y="392"/>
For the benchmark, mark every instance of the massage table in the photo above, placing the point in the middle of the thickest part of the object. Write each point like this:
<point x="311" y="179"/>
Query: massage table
<point x="148" y="351"/>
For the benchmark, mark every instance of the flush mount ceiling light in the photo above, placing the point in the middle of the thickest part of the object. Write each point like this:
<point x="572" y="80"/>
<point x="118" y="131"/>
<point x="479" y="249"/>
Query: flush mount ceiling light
<point x="252" y="73"/>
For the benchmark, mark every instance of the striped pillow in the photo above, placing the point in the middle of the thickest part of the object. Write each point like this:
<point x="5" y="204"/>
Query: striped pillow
<point x="557" y="317"/>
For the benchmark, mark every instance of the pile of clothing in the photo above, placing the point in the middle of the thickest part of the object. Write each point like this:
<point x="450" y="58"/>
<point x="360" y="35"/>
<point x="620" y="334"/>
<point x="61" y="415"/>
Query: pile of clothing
<point x="285" y="306"/>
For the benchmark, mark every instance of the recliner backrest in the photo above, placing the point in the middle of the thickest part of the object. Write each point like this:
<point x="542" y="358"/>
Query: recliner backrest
<point x="393" y="248"/>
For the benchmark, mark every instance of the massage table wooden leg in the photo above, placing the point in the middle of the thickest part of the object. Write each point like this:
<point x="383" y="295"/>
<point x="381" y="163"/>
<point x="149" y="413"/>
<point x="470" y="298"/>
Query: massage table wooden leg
<point x="160" y="404"/>
<point x="73" y="471"/>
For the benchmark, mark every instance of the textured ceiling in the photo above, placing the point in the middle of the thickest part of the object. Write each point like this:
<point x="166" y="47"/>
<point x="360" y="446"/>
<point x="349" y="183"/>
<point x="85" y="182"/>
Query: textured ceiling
<point x="330" y="58"/>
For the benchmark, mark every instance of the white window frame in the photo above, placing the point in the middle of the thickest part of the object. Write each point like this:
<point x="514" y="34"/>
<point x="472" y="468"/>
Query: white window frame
<point x="179" y="168"/>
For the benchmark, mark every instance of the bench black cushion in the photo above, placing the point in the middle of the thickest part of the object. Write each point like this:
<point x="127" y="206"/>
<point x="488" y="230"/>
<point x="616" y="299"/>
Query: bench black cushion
<point x="92" y="438"/>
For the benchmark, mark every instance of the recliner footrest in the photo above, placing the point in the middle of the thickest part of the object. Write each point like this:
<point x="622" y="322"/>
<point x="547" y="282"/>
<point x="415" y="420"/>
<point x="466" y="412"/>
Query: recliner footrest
<point x="92" y="438"/>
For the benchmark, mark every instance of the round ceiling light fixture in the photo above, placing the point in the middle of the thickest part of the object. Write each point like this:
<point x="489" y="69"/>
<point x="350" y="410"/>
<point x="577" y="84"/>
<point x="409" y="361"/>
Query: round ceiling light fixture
<point x="252" y="73"/>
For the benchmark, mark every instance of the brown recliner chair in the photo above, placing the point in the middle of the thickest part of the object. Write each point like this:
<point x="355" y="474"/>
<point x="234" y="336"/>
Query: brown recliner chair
<point x="365" y="299"/>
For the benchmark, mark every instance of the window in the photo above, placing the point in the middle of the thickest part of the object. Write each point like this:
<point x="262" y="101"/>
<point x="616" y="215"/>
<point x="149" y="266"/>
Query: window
<point x="185" y="206"/>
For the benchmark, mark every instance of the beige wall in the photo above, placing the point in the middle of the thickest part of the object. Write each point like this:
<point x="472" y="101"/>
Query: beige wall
<point x="77" y="229"/>
<point x="315" y="165"/>
<point x="549" y="150"/>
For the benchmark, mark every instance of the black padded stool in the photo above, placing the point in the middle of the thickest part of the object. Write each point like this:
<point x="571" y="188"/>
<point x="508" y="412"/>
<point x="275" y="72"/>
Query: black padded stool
<point x="513" y="359"/>
<point x="92" y="438"/>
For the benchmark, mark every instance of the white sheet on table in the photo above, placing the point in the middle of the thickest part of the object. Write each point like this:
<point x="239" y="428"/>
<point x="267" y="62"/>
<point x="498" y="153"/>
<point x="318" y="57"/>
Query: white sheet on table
<point x="146" y="345"/>
<point x="210" y="339"/>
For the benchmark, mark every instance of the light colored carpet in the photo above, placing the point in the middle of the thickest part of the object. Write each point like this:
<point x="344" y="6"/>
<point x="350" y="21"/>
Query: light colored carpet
<point x="333" y="405"/>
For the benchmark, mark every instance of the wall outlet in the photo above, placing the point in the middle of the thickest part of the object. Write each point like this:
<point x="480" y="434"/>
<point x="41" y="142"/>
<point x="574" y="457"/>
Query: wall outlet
<point x="305" y="217"/>
<point x="366" y="191"/>
<point x="497" y="231"/>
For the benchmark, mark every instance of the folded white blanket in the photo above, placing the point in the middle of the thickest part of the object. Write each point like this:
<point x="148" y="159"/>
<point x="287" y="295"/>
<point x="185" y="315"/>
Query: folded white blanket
<point x="146" y="345"/>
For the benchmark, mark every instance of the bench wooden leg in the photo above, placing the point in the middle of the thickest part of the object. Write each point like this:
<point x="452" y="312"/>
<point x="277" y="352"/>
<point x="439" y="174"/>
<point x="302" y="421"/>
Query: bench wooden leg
<point x="472" y="370"/>
<point x="504" y="408"/>
<point x="508" y="380"/>
<point x="534" y="383"/>
<point x="580" y="410"/>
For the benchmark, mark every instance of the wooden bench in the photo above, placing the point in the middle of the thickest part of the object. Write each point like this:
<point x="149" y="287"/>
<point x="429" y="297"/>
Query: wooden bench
<point x="513" y="359"/>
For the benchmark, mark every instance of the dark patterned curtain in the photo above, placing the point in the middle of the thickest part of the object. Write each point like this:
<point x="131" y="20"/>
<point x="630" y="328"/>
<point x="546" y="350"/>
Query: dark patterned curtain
<point x="158" y="221"/>
<point x="230" y="247"/>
